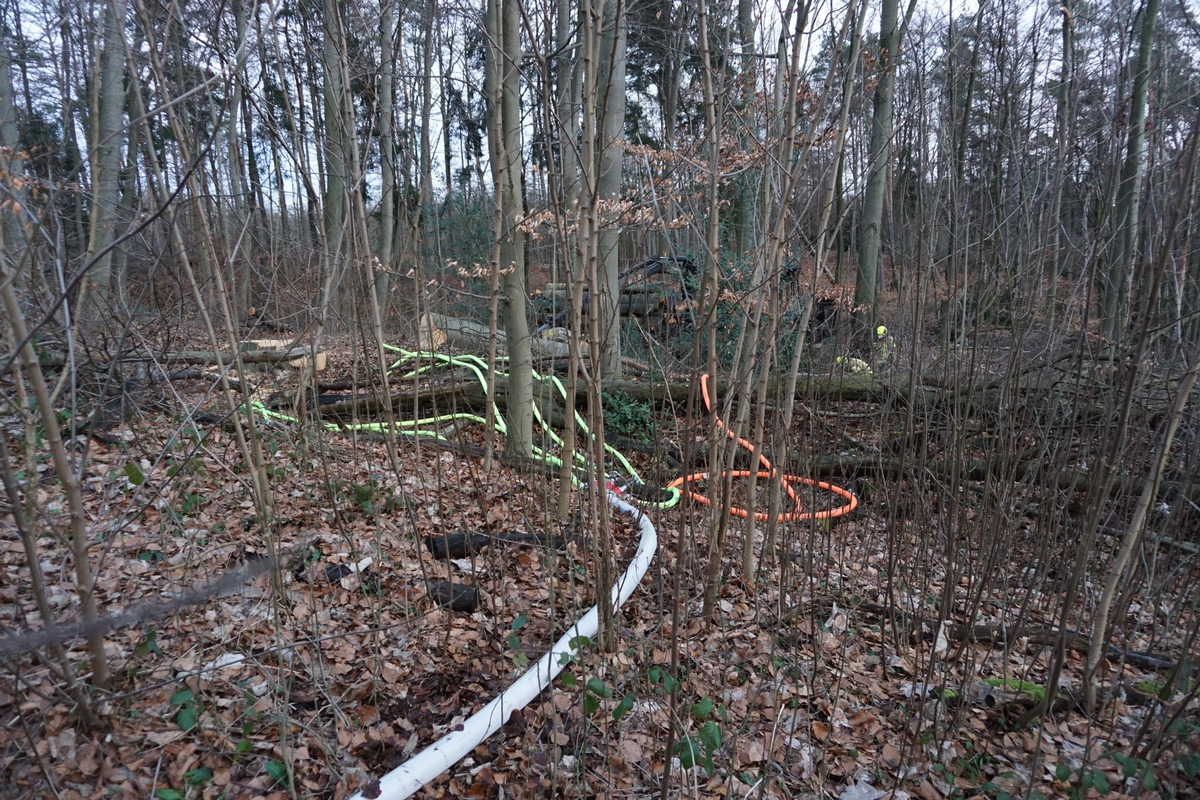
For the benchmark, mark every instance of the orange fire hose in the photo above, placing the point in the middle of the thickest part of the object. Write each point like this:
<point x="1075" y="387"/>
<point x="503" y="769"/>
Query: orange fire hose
<point x="788" y="482"/>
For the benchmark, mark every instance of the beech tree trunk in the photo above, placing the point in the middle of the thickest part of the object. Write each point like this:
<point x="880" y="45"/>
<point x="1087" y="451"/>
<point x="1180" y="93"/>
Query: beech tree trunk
<point x="1117" y="280"/>
<point x="504" y="133"/>
<point x="11" y="164"/>
<point x="611" y="112"/>
<point x="105" y="145"/>
<point x="387" y="156"/>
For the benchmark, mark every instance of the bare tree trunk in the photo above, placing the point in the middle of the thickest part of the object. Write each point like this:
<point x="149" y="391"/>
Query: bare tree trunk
<point x="709" y="292"/>
<point x="387" y="156"/>
<point x="425" y="193"/>
<point x="12" y="241"/>
<point x="504" y="36"/>
<point x="239" y="247"/>
<point x="335" y="132"/>
<point x="1117" y="280"/>
<point x="741" y="211"/>
<point x="951" y="249"/>
<point x="611" y="112"/>
<point x="891" y="32"/>
<point x="1063" y="133"/>
<point x="565" y="107"/>
<point x="105" y="144"/>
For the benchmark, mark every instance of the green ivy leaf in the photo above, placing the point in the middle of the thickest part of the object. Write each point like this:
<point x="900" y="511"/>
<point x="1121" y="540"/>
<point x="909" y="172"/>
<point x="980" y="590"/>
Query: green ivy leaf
<point x="520" y="622"/>
<point x="703" y="709"/>
<point x="134" y="473"/>
<point x="599" y="688"/>
<point x="168" y="794"/>
<point x="181" y="697"/>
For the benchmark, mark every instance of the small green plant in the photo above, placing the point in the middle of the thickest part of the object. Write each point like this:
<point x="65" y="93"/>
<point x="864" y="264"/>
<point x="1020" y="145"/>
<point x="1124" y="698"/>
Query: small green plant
<point x="627" y="417"/>
<point x="198" y="776"/>
<point x="597" y="690"/>
<point x="661" y="681"/>
<point x="971" y="766"/>
<point x="1133" y="767"/>
<point x="191" y="503"/>
<point x="277" y="770"/>
<point x="700" y="747"/>
<point x="134" y="474"/>
<point x="148" y="645"/>
<point x="188" y="714"/>
<point x="514" y="642"/>
<point x="995" y="791"/>
<point x="1094" y="779"/>
<point x="1089" y="778"/>
<point x="365" y="496"/>
<point x="624" y="706"/>
<point x="1190" y="764"/>
<point x="244" y="744"/>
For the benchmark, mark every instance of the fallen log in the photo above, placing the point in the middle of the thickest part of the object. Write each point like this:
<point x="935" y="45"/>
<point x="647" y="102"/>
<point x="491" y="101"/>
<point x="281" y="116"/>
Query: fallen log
<point x="474" y="337"/>
<point x="454" y="596"/>
<point x="193" y="357"/>
<point x="461" y="545"/>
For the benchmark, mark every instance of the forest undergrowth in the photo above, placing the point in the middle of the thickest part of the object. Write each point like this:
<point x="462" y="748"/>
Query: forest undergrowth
<point x="897" y="652"/>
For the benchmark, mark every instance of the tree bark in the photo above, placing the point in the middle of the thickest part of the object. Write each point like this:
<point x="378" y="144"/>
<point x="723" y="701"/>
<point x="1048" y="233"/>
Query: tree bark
<point x="611" y="153"/>
<point x="12" y="243"/>
<point x="1117" y="280"/>
<point x="387" y="155"/>
<point x="105" y="144"/>
<point x="504" y="118"/>
<point x="1062" y="135"/>
<point x="334" y="138"/>
<point x="891" y="33"/>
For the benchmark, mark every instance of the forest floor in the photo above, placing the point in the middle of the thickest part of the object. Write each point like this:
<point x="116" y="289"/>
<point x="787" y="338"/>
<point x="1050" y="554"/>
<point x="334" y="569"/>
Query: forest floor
<point x="824" y="674"/>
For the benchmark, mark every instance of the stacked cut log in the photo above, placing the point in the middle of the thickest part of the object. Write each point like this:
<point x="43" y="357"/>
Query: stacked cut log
<point x="647" y="302"/>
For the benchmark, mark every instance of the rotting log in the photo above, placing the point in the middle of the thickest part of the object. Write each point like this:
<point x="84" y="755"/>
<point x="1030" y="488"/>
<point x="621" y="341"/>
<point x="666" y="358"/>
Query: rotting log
<point x="471" y="336"/>
<point x="860" y="388"/>
<point x="193" y="357"/>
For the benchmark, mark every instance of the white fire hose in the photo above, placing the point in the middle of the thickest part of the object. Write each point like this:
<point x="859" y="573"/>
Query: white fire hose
<point x="443" y="754"/>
